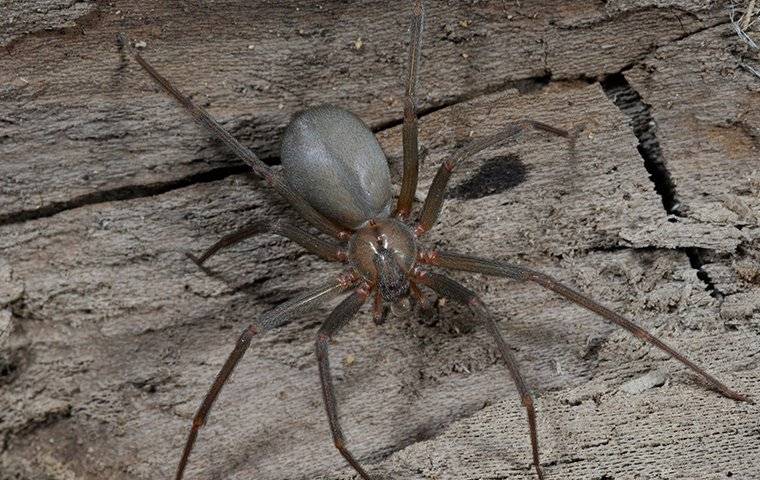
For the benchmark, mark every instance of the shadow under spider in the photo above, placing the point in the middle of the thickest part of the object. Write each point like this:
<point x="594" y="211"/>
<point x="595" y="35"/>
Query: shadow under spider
<point x="496" y="175"/>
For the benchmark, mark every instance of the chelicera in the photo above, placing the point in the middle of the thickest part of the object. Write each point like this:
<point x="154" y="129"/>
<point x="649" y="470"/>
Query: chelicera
<point x="337" y="178"/>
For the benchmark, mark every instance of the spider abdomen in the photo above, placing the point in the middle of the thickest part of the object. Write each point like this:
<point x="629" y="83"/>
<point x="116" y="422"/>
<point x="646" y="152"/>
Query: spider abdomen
<point x="334" y="161"/>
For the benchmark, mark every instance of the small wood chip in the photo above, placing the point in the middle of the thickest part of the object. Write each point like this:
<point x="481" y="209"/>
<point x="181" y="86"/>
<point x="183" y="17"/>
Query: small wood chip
<point x="645" y="382"/>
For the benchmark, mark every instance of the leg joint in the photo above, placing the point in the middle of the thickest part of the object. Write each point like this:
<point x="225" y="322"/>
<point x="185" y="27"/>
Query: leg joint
<point x="199" y="421"/>
<point x="323" y="338"/>
<point x="340" y="443"/>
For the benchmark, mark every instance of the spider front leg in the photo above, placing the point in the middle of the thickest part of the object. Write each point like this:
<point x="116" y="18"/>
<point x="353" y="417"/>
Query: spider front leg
<point x="330" y="251"/>
<point x="502" y="269"/>
<point x="431" y="209"/>
<point x="449" y="288"/>
<point x="274" y="318"/>
<point x="337" y="319"/>
<point x="204" y="119"/>
<point x="409" y="130"/>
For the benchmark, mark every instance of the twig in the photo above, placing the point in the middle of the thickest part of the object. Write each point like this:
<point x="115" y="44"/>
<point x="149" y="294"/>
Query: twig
<point x="747" y="17"/>
<point x="739" y="30"/>
<point x="750" y="69"/>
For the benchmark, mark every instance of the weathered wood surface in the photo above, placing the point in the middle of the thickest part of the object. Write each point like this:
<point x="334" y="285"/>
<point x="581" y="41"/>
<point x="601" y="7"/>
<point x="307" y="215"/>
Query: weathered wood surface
<point x="111" y="336"/>
<point x="256" y="65"/>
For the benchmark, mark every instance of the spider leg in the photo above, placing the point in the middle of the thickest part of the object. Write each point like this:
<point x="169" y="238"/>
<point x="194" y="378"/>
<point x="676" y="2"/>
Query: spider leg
<point x="259" y="168"/>
<point x="447" y="287"/>
<point x="419" y="297"/>
<point x="327" y="250"/>
<point x="431" y="209"/>
<point x="502" y="269"/>
<point x="409" y="130"/>
<point x="337" y="319"/>
<point x="272" y="319"/>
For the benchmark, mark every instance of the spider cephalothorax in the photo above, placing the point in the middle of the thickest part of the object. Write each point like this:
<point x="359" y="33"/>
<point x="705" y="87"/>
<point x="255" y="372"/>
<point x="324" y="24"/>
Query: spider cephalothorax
<point x="384" y="251"/>
<point x="337" y="179"/>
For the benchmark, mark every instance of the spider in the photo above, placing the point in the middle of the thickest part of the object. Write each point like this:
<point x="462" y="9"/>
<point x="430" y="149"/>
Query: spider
<point x="337" y="178"/>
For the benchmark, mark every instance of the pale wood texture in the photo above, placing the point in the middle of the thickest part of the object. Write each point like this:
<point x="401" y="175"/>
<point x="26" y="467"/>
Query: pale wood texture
<point x="110" y="336"/>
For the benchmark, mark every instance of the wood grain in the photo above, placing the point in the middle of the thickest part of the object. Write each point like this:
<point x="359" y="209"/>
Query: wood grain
<point x="110" y="336"/>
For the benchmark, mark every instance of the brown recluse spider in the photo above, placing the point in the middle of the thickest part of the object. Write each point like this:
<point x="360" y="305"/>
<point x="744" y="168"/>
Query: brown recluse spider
<point x="337" y="178"/>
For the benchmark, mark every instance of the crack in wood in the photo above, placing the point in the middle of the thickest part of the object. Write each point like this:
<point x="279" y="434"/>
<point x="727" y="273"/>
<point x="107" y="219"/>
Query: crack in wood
<point x="638" y="59"/>
<point x="74" y="26"/>
<point x="525" y="85"/>
<point x="130" y="192"/>
<point x="629" y="101"/>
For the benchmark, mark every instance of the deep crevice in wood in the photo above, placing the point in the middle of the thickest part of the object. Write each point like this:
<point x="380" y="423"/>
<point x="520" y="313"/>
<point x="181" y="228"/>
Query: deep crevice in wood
<point x="628" y="100"/>
<point x="697" y="262"/>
